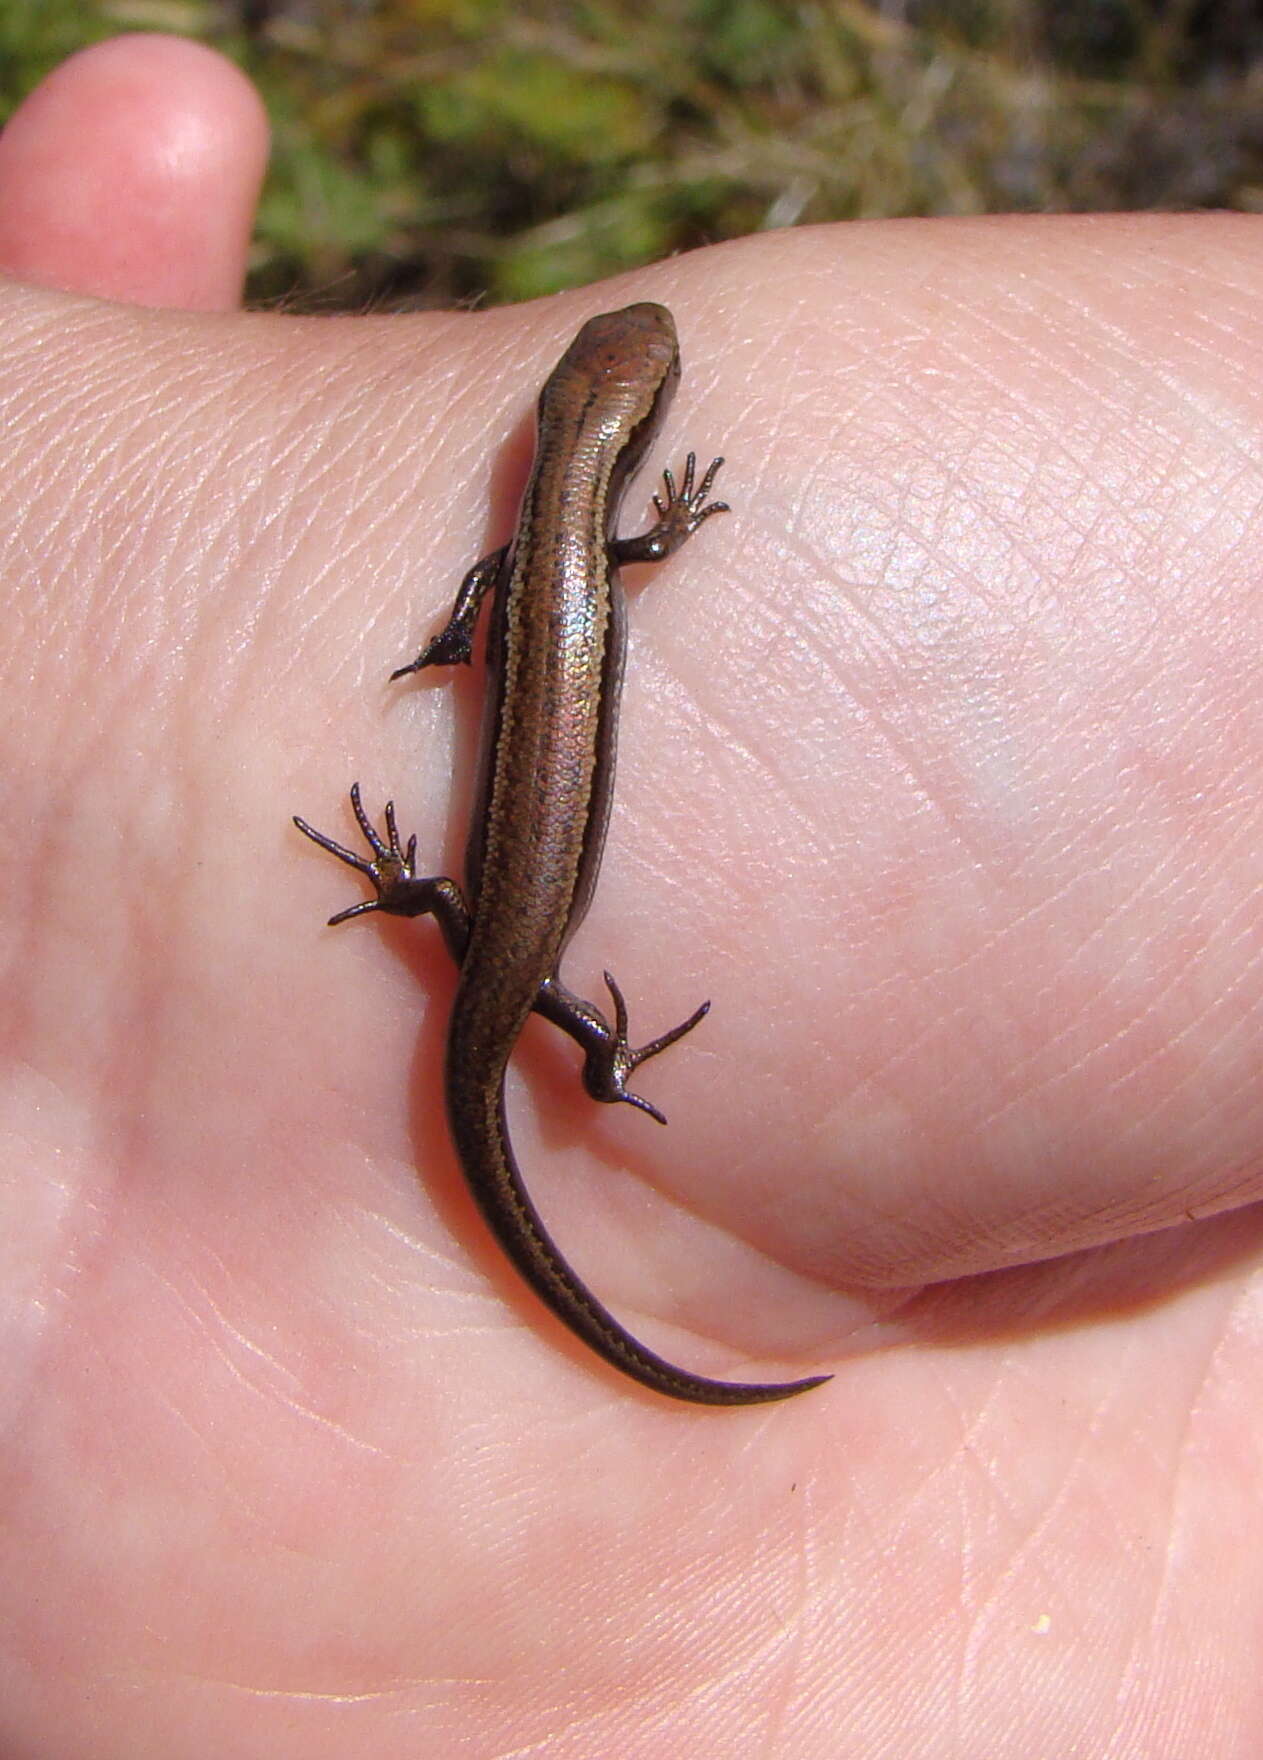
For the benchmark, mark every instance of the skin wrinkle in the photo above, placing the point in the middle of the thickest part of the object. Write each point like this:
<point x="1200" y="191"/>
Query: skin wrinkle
<point x="1207" y="355"/>
<point x="917" y="1673"/>
<point x="21" y="947"/>
<point x="1196" y="1021"/>
<point x="1092" y="389"/>
<point x="59" y="610"/>
<point x="373" y="1696"/>
<point x="1242" y="547"/>
<point x="294" y="449"/>
<point x="289" y="450"/>
<point x="987" y="1614"/>
<point x="1160" y="1589"/>
<point x="845" y="681"/>
<point x="238" y="1501"/>
<point x="1073" y="1025"/>
<point x="1132" y="1664"/>
<point x="115" y="567"/>
<point x="401" y="453"/>
<point x="1007" y="530"/>
<point x="1153" y="1006"/>
<point x="1212" y="1188"/>
<point x="714" y="722"/>
<point x="914" y="554"/>
<point x="918" y="775"/>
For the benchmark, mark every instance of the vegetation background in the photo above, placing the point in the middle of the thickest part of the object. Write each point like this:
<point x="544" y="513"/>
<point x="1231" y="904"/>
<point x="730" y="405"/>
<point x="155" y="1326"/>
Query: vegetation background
<point x="434" y="151"/>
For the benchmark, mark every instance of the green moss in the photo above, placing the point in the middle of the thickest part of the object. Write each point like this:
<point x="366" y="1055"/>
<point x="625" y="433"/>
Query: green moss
<point x="515" y="101"/>
<point x="37" y="34"/>
<point x="587" y="245"/>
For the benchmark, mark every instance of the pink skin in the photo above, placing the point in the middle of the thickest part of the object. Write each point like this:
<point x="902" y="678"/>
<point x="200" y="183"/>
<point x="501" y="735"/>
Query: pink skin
<point x="292" y="1467"/>
<point x="132" y="173"/>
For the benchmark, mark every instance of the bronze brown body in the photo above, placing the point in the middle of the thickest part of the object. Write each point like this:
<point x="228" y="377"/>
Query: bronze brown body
<point x="555" y="658"/>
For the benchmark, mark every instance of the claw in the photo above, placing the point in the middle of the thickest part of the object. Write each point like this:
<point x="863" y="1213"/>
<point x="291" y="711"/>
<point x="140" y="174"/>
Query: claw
<point x="353" y="910"/>
<point x="620" y="1059"/>
<point x="334" y="848"/>
<point x="687" y="506"/>
<point x="620" y="1009"/>
<point x="643" y="1105"/>
<point x="391" y="864"/>
<point x="704" y="487"/>
<point x="366" y="824"/>
<point x="625" y="1058"/>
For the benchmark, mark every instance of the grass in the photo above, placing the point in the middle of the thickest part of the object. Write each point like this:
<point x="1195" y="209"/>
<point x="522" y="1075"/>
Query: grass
<point x="431" y="151"/>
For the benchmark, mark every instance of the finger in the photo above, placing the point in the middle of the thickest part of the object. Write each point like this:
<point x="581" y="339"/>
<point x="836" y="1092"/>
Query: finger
<point x="132" y="173"/>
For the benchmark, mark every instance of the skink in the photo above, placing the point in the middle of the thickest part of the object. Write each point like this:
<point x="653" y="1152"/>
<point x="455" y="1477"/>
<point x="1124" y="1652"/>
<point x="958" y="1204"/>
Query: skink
<point x="554" y="660"/>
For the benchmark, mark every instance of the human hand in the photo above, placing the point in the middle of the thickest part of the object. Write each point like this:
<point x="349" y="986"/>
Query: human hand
<point x="936" y="774"/>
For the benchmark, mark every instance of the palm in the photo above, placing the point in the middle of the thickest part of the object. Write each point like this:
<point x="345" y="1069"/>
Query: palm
<point x="291" y="1462"/>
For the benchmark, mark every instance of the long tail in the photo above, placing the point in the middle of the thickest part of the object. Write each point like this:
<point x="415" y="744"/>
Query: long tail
<point x="480" y="1131"/>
